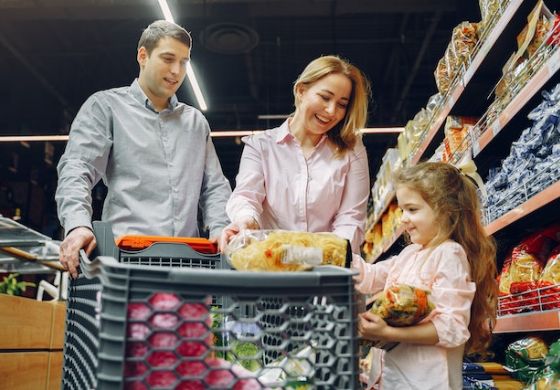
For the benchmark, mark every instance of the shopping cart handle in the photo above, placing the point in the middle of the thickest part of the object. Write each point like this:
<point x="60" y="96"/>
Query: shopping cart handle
<point x="84" y="257"/>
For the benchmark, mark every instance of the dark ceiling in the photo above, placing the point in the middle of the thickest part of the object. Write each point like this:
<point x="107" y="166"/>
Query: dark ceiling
<point x="55" y="53"/>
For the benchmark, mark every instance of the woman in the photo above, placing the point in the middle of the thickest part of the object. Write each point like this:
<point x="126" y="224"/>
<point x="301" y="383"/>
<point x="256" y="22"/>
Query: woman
<point x="311" y="173"/>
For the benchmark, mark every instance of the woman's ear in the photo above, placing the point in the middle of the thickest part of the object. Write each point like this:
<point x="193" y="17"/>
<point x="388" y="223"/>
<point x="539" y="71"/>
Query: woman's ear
<point x="300" y="89"/>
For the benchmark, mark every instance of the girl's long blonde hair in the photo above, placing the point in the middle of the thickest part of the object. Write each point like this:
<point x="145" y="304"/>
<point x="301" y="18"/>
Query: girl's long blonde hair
<point x="454" y="199"/>
<point x="345" y="134"/>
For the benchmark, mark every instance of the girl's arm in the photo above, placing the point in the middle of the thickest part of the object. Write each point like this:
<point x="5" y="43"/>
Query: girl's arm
<point x="372" y="327"/>
<point x="452" y="293"/>
<point x="371" y="278"/>
<point x="349" y="221"/>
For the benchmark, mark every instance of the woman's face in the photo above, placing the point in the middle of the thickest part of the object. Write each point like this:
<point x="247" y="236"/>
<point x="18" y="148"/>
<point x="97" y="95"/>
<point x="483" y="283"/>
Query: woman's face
<point x="323" y="104"/>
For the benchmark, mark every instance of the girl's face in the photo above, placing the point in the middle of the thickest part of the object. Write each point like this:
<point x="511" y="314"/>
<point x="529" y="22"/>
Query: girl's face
<point x="323" y="104"/>
<point x="418" y="218"/>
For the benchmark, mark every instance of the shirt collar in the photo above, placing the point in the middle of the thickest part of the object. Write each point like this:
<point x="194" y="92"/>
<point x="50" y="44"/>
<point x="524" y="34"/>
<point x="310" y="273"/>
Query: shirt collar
<point x="284" y="134"/>
<point x="138" y="94"/>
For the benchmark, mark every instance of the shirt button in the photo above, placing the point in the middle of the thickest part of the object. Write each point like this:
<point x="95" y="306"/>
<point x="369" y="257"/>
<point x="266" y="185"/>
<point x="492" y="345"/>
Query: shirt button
<point x="175" y="190"/>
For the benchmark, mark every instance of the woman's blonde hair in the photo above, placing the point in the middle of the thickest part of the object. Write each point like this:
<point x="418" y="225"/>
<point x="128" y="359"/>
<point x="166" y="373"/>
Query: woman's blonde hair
<point x="345" y="133"/>
<point x="454" y="199"/>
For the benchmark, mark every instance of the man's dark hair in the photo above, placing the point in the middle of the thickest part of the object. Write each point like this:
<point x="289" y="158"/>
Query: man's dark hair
<point x="161" y="29"/>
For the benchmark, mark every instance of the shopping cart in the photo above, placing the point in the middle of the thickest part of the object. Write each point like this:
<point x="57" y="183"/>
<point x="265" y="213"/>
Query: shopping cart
<point x="137" y="326"/>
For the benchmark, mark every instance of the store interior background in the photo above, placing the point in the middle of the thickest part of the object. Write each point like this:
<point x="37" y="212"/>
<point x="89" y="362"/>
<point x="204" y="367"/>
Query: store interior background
<point x="246" y="54"/>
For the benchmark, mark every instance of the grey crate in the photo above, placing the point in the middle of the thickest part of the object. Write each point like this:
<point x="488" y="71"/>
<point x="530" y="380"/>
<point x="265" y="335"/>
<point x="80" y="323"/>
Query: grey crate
<point x="168" y="346"/>
<point x="84" y="296"/>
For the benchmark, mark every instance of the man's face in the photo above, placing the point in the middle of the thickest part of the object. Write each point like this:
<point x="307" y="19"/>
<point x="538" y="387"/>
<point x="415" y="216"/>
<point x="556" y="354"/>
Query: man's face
<point x="163" y="71"/>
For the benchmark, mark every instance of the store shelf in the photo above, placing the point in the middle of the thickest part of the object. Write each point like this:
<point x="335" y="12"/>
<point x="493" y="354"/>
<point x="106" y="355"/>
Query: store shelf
<point x="435" y="126"/>
<point x="528" y="322"/>
<point x="533" y="86"/>
<point x="386" y="202"/>
<point x="538" y="201"/>
<point x="488" y="58"/>
<point x="24" y="250"/>
<point x="389" y="243"/>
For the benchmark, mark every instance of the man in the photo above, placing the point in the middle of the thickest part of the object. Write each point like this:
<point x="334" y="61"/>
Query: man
<point x="154" y="154"/>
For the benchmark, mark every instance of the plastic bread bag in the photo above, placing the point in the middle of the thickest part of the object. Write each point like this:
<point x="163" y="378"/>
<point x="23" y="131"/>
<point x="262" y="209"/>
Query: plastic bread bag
<point x="402" y="305"/>
<point x="280" y="250"/>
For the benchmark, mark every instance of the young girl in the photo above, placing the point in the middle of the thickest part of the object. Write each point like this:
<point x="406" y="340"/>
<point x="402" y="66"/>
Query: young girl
<point x="452" y="257"/>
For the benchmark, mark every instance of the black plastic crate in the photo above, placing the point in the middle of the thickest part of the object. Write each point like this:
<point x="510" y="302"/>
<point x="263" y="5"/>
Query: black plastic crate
<point x="84" y="296"/>
<point x="150" y="338"/>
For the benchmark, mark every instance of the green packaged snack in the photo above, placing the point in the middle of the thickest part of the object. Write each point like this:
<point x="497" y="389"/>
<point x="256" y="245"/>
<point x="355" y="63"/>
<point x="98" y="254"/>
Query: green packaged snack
<point x="526" y="358"/>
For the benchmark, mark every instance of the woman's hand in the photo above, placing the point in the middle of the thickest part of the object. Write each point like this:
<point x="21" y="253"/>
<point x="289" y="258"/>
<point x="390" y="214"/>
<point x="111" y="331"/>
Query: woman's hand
<point x="235" y="227"/>
<point x="372" y="327"/>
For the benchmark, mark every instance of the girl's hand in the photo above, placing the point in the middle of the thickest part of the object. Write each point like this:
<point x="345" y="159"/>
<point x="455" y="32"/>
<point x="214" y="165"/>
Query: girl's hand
<point x="372" y="327"/>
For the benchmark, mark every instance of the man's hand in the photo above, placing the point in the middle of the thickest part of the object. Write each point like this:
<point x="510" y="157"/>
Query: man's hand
<point x="78" y="238"/>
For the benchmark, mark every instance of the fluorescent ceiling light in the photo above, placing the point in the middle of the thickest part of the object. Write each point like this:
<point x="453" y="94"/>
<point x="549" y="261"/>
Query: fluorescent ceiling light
<point x="190" y="72"/>
<point x="166" y="11"/>
<point x="283" y="116"/>
<point x="31" y="138"/>
<point x="195" y="87"/>
<point x="382" y="130"/>
<point x="234" y="133"/>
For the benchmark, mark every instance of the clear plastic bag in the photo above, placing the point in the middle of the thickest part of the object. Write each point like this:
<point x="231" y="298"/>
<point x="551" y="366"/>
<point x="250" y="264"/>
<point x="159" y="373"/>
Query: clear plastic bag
<point x="280" y="250"/>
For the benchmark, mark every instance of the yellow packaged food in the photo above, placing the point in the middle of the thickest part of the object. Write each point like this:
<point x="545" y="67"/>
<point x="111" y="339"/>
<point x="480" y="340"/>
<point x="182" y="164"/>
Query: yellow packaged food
<point x="280" y="250"/>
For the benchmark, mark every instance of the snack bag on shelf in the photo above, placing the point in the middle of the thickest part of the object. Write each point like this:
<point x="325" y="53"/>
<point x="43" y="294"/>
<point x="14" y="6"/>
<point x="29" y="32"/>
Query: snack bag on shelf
<point x="456" y="131"/>
<point x="525" y="358"/>
<point x="452" y="63"/>
<point x="403" y="305"/>
<point x="541" y="242"/>
<point x="463" y="41"/>
<point x="524" y="273"/>
<point x="549" y="378"/>
<point x="549" y="281"/>
<point x="280" y="250"/>
<point x="488" y="8"/>
<point x="539" y="23"/>
<point x="441" y="74"/>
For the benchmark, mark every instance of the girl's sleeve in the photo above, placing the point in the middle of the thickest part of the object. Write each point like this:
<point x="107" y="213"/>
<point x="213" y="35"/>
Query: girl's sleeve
<point x="452" y="294"/>
<point x="249" y="194"/>
<point x="371" y="277"/>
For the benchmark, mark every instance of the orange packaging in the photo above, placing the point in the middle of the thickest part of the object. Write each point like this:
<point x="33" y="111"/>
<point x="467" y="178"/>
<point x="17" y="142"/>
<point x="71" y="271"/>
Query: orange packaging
<point x="136" y="243"/>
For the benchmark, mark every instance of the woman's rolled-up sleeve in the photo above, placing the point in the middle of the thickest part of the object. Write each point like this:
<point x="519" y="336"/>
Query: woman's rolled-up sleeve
<point x="452" y="294"/>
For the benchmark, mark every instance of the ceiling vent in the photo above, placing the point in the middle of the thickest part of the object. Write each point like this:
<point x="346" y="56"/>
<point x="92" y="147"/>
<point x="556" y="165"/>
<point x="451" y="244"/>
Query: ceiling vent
<point x="229" y="38"/>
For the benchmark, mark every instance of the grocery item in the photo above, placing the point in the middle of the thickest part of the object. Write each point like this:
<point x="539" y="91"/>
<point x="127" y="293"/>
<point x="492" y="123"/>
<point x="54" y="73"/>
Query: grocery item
<point x="549" y="282"/>
<point x="403" y="305"/>
<point x="526" y="358"/>
<point x="549" y="378"/>
<point x="279" y="250"/>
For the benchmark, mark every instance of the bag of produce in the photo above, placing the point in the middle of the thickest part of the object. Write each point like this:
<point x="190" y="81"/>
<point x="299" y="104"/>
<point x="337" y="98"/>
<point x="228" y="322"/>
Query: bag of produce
<point x="403" y="305"/>
<point x="279" y="250"/>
